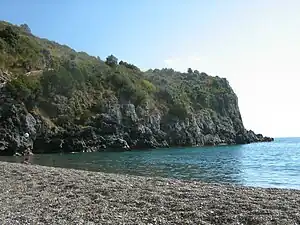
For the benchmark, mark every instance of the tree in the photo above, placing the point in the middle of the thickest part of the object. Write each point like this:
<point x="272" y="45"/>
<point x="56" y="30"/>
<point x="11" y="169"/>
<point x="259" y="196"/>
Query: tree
<point x="72" y="56"/>
<point x="128" y="65"/>
<point x="9" y="36"/>
<point x="196" y="72"/>
<point x="111" y="60"/>
<point x="178" y="110"/>
<point x="149" y="87"/>
<point x="190" y="70"/>
<point x="25" y="88"/>
<point x="58" y="82"/>
<point x="26" y="28"/>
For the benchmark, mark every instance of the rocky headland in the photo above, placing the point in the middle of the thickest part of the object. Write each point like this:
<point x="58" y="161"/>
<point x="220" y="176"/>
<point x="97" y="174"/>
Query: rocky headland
<point x="68" y="101"/>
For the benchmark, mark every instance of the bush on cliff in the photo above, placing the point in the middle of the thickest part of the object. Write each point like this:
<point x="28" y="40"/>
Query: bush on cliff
<point x="25" y="89"/>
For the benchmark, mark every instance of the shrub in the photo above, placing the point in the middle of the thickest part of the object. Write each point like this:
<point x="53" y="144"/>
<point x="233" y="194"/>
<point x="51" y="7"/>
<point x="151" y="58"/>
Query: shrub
<point x="139" y="97"/>
<point x="128" y="65"/>
<point x="9" y="36"/>
<point x="57" y="82"/>
<point x="26" y="28"/>
<point x="148" y="86"/>
<point x="85" y="116"/>
<point x="111" y="60"/>
<point x="178" y="110"/>
<point x="25" y="88"/>
<point x="2" y="45"/>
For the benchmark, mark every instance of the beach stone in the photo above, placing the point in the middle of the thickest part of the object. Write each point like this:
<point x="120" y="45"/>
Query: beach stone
<point x="32" y="194"/>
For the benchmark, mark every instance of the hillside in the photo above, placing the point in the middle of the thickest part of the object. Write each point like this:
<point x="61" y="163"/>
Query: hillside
<point x="69" y="101"/>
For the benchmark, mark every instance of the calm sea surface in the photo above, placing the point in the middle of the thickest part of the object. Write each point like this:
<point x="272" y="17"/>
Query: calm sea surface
<point x="275" y="164"/>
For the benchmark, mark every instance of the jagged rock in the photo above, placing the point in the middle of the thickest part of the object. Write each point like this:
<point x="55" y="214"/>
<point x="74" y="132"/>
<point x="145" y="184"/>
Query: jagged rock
<point x="121" y="128"/>
<point x="211" y="140"/>
<point x="15" y="121"/>
<point x="118" y="144"/>
<point x="3" y="145"/>
<point x="261" y="138"/>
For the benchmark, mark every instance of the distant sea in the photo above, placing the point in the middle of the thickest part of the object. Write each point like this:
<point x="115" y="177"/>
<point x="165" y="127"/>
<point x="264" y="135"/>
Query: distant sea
<point x="274" y="164"/>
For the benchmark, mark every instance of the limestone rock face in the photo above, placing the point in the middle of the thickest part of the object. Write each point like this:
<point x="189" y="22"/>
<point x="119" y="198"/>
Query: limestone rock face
<point x="14" y="123"/>
<point x="120" y="127"/>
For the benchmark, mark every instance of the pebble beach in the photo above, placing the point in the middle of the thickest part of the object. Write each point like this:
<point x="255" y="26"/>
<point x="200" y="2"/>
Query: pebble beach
<point x="32" y="194"/>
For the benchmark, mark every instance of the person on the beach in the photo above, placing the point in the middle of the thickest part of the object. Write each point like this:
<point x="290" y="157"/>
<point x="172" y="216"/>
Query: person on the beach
<point x="26" y="156"/>
<point x="27" y="151"/>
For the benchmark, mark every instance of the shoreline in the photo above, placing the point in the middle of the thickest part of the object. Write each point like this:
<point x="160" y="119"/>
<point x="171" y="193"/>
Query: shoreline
<point x="34" y="194"/>
<point x="34" y="151"/>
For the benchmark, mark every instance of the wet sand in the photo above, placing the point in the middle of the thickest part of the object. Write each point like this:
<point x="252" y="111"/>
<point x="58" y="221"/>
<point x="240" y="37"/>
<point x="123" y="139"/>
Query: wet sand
<point x="31" y="194"/>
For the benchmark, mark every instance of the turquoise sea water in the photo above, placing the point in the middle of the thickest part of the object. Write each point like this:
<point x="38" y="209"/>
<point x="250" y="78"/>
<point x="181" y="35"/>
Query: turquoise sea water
<point x="275" y="164"/>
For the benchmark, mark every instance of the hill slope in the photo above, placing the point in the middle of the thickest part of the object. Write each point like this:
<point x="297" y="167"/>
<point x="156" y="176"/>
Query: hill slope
<point x="69" y="101"/>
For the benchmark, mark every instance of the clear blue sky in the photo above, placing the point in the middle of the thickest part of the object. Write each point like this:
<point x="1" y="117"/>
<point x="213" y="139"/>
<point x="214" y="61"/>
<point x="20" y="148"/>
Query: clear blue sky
<point x="254" y="44"/>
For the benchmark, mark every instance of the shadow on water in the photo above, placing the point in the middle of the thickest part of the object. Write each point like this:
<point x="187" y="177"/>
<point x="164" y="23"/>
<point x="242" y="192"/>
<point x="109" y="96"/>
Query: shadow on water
<point x="262" y="164"/>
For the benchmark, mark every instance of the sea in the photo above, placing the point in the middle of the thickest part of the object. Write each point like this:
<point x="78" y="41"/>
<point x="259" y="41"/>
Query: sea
<point x="269" y="165"/>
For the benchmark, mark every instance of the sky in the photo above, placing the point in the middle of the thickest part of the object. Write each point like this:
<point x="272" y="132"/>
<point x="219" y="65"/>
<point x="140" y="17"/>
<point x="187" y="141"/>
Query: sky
<point x="254" y="44"/>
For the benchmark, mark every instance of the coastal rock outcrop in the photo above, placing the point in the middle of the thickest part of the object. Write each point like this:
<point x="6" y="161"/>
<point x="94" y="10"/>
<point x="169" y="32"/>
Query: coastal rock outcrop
<point x="122" y="127"/>
<point x="73" y="102"/>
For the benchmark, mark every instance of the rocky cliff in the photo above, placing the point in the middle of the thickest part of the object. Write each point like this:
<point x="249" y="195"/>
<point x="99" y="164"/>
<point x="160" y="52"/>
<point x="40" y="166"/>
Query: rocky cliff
<point x="69" y="102"/>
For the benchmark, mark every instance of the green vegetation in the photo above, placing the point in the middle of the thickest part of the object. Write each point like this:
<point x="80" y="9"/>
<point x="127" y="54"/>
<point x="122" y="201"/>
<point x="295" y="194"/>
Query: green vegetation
<point x="25" y="88"/>
<point x="74" y="85"/>
<point x="111" y="61"/>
